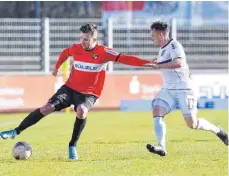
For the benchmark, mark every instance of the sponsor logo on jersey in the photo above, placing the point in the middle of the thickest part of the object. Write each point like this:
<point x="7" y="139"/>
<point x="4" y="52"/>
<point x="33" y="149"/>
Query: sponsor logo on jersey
<point x="112" y="52"/>
<point x="88" y="67"/>
<point x="173" y="46"/>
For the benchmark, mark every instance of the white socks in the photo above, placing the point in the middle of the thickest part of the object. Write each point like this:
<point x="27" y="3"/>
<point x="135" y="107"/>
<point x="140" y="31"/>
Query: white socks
<point x="203" y="124"/>
<point x="160" y="130"/>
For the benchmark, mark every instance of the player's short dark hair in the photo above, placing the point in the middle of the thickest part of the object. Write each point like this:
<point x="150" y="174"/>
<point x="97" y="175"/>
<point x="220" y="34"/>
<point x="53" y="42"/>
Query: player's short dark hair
<point x="159" y="26"/>
<point x="89" y="28"/>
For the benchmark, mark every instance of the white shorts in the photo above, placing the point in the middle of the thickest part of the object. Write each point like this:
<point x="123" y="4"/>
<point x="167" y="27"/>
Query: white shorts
<point x="169" y="99"/>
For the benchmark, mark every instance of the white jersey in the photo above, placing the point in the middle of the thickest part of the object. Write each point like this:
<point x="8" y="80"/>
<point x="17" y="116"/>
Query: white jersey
<point x="176" y="78"/>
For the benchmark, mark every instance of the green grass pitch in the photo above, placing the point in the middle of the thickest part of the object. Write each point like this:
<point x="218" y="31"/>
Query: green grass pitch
<point x="113" y="144"/>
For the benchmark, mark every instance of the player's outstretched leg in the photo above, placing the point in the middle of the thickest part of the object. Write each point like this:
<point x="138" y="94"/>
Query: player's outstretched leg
<point x="30" y="120"/>
<point x="203" y="124"/>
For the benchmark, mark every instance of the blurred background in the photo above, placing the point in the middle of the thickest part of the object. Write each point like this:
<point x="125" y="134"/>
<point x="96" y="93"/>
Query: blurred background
<point x="33" y="33"/>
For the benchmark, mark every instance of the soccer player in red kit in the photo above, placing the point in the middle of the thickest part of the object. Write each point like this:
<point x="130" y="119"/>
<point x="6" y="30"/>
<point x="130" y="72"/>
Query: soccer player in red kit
<point x="83" y="86"/>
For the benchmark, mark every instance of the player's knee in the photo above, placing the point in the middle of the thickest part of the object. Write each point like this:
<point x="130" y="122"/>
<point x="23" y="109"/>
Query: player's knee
<point x="47" y="109"/>
<point x="191" y="123"/>
<point x="159" y="111"/>
<point x="81" y="111"/>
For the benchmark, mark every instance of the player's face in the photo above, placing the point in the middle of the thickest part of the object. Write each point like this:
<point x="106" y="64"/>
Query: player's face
<point x="156" y="37"/>
<point x="87" y="40"/>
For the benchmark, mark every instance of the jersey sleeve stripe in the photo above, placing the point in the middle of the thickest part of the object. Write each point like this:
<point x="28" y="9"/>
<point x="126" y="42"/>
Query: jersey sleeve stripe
<point x="117" y="58"/>
<point x="167" y="43"/>
<point x="166" y="61"/>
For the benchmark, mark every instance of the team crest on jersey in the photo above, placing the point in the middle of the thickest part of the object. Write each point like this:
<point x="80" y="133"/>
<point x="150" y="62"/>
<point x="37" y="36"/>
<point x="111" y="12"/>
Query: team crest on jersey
<point x="94" y="56"/>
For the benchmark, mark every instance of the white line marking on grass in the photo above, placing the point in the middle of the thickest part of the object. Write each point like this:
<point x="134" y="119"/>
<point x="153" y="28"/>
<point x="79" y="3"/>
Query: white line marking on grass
<point x="18" y="121"/>
<point x="10" y="123"/>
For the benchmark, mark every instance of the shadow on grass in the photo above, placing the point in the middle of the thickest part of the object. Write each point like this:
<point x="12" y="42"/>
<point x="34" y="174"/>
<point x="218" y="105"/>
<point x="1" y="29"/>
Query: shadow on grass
<point x="193" y="140"/>
<point x="119" y="142"/>
<point x="61" y="159"/>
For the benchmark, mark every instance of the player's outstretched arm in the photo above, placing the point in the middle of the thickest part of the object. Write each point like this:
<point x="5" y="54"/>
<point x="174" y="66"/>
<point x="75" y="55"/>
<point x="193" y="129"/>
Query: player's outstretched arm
<point x="114" y="56"/>
<point x="131" y="60"/>
<point x="62" y="58"/>
<point x="175" y="63"/>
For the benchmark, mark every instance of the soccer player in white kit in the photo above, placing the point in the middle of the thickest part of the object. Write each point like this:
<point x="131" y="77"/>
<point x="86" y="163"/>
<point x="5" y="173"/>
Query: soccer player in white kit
<point x="177" y="89"/>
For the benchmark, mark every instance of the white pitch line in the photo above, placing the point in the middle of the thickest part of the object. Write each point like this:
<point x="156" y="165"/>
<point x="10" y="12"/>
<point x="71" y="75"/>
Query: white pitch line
<point x="10" y="123"/>
<point x="18" y="121"/>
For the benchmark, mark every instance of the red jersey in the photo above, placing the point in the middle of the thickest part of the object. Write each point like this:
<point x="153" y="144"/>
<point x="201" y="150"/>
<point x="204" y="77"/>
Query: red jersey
<point x="89" y="67"/>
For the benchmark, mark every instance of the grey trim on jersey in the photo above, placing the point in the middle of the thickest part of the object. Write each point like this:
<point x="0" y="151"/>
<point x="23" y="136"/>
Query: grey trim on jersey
<point x="169" y="60"/>
<point x="167" y="43"/>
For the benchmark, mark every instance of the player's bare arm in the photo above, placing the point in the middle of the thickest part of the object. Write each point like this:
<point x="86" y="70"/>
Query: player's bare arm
<point x="62" y="58"/>
<point x="131" y="60"/>
<point x="111" y="55"/>
<point x="154" y="61"/>
<point x="176" y="63"/>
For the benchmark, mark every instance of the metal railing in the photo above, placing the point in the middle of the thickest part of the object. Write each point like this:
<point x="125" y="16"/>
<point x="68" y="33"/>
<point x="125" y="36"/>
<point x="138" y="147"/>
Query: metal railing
<point x="206" y="47"/>
<point x="33" y="45"/>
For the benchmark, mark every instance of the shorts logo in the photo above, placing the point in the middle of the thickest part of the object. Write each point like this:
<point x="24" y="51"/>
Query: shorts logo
<point x="62" y="97"/>
<point x="94" y="56"/>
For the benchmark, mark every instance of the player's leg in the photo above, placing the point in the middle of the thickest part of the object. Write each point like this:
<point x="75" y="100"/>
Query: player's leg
<point x="162" y="104"/>
<point x="56" y="103"/>
<point x="83" y="104"/>
<point x="188" y="104"/>
<point x="30" y="120"/>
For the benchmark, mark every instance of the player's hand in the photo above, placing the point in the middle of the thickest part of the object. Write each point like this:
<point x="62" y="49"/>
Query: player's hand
<point x="151" y="65"/>
<point x="54" y="72"/>
<point x="154" y="61"/>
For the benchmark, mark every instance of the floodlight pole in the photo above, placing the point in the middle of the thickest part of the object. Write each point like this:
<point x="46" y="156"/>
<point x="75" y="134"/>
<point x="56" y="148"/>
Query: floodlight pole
<point x="46" y="46"/>
<point x="110" y="41"/>
<point x="174" y="28"/>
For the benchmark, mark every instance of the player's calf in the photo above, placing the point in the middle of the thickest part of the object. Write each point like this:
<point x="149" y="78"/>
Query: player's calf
<point x="30" y="120"/>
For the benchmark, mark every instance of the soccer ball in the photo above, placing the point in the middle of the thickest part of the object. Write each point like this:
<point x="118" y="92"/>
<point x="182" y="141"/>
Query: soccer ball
<point x="22" y="151"/>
